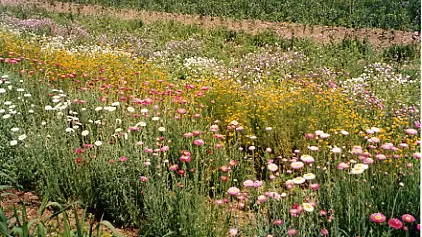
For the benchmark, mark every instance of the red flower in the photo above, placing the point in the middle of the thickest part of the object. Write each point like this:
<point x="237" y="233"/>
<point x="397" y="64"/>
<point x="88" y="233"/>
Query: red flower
<point x="79" y="150"/>
<point x="395" y="223"/>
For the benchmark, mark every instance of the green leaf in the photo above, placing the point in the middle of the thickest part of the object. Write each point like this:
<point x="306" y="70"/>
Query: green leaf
<point x="111" y="227"/>
<point x="43" y="205"/>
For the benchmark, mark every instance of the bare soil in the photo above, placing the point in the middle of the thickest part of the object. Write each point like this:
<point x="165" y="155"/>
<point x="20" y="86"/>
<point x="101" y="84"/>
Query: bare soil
<point x="322" y="34"/>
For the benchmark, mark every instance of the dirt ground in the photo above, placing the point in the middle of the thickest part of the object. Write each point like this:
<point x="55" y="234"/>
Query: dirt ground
<point x="322" y="34"/>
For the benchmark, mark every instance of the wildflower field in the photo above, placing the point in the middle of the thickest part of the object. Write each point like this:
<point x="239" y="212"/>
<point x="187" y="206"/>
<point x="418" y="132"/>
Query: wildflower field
<point x="170" y="129"/>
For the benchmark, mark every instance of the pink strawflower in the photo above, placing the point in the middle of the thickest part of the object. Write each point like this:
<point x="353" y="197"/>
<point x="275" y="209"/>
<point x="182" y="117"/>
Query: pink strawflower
<point x="307" y="158"/>
<point x="324" y="231"/>
<point x="148" y="150"/>
<point x="248" y="183"/>
<point x="233" y="232"/>
<point x="323" y="212"/>
<point x="292" y="232"/>
<point x="278" y="222"/>
<point x="342" y="166"/>
<point x="309" y="135"/>
<point x="381" y="157"/>
<point x="219" y="202"/>
<point x="296" y="165"/>
<point x="377" y="217"/>
<point x="233" y="191"/>
<point x="185" y="159"/>
<point x="411" y="131"/>
<point x="214" y="128"/>
<point x="134" y="129"/>
<point x="387" y="146"/>
<point x="295" y="211"/>
<point x="395" y="223"/>
<point x="261" y="198"/>
<point x="233" y="162"/>
<point x="219" y="136"/>
<point x="272" y="167"/>
<point x="368" y="161"/>
<point x="181" y="111"/>
<point x="79" y="150"/>
<point x="198" y="142"/>
<point x="408" y="218"/>
<point x="188" y="134"/>
<point x="123" y="158"/>
<point x="314" y="186"/>
<point x="257" y="183"/>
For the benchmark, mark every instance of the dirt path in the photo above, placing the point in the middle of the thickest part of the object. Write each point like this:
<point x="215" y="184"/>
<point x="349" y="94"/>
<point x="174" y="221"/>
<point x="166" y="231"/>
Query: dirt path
<point x="321" y="34"/>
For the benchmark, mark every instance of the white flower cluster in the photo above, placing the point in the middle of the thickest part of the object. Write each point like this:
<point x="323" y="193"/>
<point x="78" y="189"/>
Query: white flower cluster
<point x="378" y="75"/>
<point x="379" y="83"/>
<point x="204" y="66"/>
<point x="268" y="62"/>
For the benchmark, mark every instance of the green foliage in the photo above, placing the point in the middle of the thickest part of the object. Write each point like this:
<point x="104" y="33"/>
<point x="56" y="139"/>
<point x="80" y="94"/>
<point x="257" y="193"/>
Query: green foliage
<point x="400" y="53"/>
<point x="388" y="14"/>
<point x="23" y="226"/>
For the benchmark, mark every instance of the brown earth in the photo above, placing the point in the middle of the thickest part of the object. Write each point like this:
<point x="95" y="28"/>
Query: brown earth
<point x="322" y="34"/>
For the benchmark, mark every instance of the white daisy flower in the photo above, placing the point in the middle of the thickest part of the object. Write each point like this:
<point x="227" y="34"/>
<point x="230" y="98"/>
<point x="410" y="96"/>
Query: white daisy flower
<point x="22" y="137"/>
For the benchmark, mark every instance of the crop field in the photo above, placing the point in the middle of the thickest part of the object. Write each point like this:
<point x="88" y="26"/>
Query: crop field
<point x="136" y="122"/>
